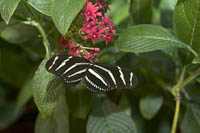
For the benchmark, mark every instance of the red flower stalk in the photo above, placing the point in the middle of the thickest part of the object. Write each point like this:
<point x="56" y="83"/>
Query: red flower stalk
<point x="74" y="50"/>
<point x="90" y="56"/>
<point x="78" y="50"/>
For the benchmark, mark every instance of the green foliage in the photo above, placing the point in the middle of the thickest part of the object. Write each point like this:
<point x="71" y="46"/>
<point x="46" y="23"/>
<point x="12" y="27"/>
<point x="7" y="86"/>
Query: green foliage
<point x="43" y="6"/>
<point x="146" y="38"/>
<point x="187" y="22"/>
<point x="8" y="115"/>
<point x="13" y="33"/>
<point x="80" y="97"/>
<point x="190" y="123"/>
<point x="67" y="10"/>
<point x="150" y="105"/>
<point x="107" y="117"/>
<point x="141" y="11"/>
<point x="25" y="95"/>
<point x="156" y="39"/>
<point x="46" y="89"/>
<point x="58" y="122"/>
<point x="11" y="55"/>
<point x="7" y="8"/>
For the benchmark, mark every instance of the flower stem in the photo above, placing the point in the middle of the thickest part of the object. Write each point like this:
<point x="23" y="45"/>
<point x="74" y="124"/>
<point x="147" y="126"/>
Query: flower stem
<point x="176" y="88"/>
<point x="176" y="114"/>
<point x="176" y="92"/>
<point x="43" y="34"/>
<point x="182" y="83"/>
<point x="190" y="78"/>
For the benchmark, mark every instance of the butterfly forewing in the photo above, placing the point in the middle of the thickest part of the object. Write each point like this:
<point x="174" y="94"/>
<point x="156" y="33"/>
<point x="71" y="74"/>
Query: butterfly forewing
<point x="95" y="81"/>
<point x="70" y="69"/>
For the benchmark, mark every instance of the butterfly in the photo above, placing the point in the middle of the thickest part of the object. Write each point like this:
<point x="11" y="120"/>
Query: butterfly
<point x="98" y="77"/>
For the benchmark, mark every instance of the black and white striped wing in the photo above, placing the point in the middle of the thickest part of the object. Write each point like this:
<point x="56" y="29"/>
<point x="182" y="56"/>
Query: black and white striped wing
<point x="105" y="77"/>
<point x="71" y="69"/>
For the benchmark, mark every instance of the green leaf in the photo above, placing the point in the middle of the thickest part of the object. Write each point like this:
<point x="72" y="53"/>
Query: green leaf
<point x="8" y="115"/>
<point x="7" y="9"/>
<point x="187" y="21"/>
<point x="196" y="112"/>
<point x="141" y="11"/>
<point x="0" y="2"/>
<point x="196" y="60"/>
<point x="110" y="55"/>
<point x="43" y="6"/>
<point x="24" y="95"/>
<point x="106" y="117"/>
<point x="19" y="33"/>
<point x="168" y="4"/>
<point x="166" y="12"/>
<point x="58" y="122"/>
<point x="76" y="122"/>
<point x="190" y="123"/>
<point x="64" y="12"/>
<point x="146" y="38"/>
<point x="34" y="47"/>
<point x="82" y="98"/>
<point x="46" y="89"/>
<point x="150" y="105"/>
<point x="119" y="11"/>
<point x="12" y="55"/>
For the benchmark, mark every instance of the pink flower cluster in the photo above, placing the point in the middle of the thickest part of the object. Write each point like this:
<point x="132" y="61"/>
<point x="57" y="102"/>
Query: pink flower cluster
<point x="97" y="25"/>
<point x="78" y="50"/>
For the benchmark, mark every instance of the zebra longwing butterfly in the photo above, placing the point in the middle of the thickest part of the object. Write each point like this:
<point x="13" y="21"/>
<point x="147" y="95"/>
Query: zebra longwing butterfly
<point x="99" y="77"/>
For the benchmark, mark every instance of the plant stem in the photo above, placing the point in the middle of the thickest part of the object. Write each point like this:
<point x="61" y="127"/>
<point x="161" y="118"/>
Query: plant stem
<point x="176" y="92"/>
<point x="182" y="83"/>
<point x="39" y="27"/>
<point x="43" y="34"/>
<point x="176" y="113"/>
<point x="176" y="88"/>
<point x="192" y="76"/>
<point x="28" y="8"/>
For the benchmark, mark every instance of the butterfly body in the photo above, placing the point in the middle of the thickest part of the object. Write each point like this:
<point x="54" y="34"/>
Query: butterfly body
<point x="99" y="77"/>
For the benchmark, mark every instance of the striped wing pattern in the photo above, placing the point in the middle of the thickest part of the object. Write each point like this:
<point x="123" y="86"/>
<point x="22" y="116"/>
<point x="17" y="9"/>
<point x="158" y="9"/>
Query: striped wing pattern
<point x="70" y="69"/>
<point x="98" y="77"/>
<point x="105" y="77"/>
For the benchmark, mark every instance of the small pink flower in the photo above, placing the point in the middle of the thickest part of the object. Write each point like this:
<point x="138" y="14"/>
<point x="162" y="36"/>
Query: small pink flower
<point x="63" y="43"/>
<point x="105" y="21"/>
<point x="88" y="26"/>
<point x="90" y="13"/>
<point x="111" y="29"/>
<point x="108" y="37"/>
<point x="74" y="50"/>
<point x="94" y="36"/>
<point x="97" y="29"/>
<point x="99" y="3"/>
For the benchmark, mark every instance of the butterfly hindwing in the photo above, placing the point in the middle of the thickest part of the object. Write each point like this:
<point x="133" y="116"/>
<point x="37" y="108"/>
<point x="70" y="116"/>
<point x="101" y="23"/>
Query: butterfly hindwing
<point x="95" y="81"/>
<point x="116" y="76"/>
